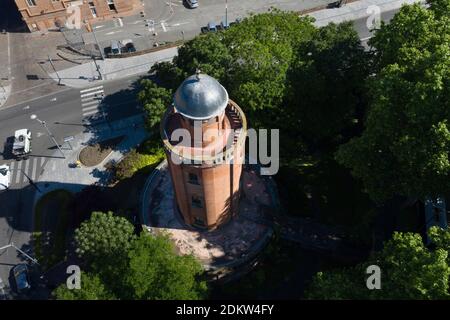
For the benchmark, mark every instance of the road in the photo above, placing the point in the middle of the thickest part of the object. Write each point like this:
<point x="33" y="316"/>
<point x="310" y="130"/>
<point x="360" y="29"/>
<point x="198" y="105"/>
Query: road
<point x="67" y="112"/>
<point x="65" y="116"/>
<point x="174" y="20"/>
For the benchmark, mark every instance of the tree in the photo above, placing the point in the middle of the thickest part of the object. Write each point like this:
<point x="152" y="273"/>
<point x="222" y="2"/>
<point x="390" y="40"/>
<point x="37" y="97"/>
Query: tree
<point x="92" y="288"/>
<point x="408" y="271"/>
<point x="327" y="80"/>
<point x="102" y="238"/>
<point x="208" y="53"/>
<point x="155" y="100"/>
<point x="157" y="272"/>
<point x="405" y="146"/>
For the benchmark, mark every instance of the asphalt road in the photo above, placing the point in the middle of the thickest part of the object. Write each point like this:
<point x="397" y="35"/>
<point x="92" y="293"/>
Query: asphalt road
<point x="63" y="114"/>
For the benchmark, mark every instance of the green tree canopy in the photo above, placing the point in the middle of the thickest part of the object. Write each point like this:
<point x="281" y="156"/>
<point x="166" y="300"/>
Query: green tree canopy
<point x="155" y="100"/>
<point x="405" y="146"/>
<point x="92" y="288"/>
<point x="408" y="271"/>
<point x="327" y="82"/>
<point x="157" y="272"/>
<point x="121" y="265"/>
<point x="102" y="237"/>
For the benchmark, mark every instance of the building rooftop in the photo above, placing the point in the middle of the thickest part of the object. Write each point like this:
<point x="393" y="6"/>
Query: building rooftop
<point x="200" y="97"/>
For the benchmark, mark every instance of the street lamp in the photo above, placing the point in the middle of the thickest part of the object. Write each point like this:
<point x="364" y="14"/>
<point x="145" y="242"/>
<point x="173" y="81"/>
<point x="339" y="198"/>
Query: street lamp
<point x="51" y="136"/>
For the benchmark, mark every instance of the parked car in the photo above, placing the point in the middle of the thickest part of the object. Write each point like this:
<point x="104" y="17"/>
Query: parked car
<point x="192" y="3"/>
<point x="211" y="27"/>
<point x="5" y="177"/>
<point x="129" y="46"/>
<point x="22" y="143"/>
<point x="21" y="277"/>
<point x="115" y="47"/>
<point x="224" y="25"/>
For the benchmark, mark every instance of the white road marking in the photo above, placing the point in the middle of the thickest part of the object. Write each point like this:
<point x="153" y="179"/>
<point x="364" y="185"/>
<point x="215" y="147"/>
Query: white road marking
<point x="90" y="108"/>
<point x="35" y="164"/>
<point x="98" y="27"/>
<point x="26" y="108"/>
<point x="91" y="89"/>
<point x="112" y="32"/>
<point x="91" y="93"/>
<point x="54" y="99"/>
<point x="19" y="172"/>
<point x="12" y="167"/>
<point x="366" y="38"/>
<point x="163" y="26"/>
<point x="90" y="103"/>
<point x="90" y="113"/>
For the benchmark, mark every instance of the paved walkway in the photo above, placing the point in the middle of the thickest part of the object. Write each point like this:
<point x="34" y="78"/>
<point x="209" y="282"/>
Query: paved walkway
<point x="86" y="74"/>
<point x="59" y="173"/>
<point x="5" y="69"/>
<point x="357" y="10"/>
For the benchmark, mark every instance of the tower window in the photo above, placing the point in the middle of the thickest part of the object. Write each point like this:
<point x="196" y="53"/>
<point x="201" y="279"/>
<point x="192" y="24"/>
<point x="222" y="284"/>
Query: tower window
<point x="31" y="3"/>
<point x="197" y="202"/>
<point x="111" y="5"/>
<point x="193" y="179"/>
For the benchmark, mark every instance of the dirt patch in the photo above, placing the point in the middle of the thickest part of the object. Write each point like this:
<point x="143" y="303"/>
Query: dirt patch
<point x="93" y="155"/>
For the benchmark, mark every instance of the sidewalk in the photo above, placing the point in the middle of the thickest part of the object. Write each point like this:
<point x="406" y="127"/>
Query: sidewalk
<point x="5" y="69"/>
<point x="86" y="74"/>
<point x="58" y="173"/>
<point x="356" y="10"/>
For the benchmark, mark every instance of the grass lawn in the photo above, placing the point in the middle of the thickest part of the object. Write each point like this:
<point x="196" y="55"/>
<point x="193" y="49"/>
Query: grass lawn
<point x="51" y="222"/>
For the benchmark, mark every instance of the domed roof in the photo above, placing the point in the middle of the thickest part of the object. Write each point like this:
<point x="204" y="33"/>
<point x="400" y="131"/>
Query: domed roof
<point x="200" y="97"/>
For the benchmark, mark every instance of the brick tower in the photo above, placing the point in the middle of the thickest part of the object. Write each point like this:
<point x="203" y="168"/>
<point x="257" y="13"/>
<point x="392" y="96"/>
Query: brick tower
<point x="204" y="138"/>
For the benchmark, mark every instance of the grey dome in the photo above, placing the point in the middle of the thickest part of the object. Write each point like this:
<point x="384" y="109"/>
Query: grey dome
<point x="200" y="97"/>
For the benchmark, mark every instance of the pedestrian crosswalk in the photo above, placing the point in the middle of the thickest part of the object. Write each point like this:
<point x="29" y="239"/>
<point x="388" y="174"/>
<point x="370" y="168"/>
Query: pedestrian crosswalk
<point x="24" y="170"/>
<point x="91" y="103"/>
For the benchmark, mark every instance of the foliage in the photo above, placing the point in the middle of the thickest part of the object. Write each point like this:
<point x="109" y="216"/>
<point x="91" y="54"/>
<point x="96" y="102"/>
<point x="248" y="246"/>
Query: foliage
<point x="92" y="288"/>
<point x="155" y="100"/>
<point x="405" y="146"/>
<point x="103" y="237"/>
<point x="327" y="82"/>
<point x="136" y="161"/>
<point x="408" y="271"/>
<point x="156" y="272"/>
<point x="124" y="266"/>
<point x="207" y="53"/>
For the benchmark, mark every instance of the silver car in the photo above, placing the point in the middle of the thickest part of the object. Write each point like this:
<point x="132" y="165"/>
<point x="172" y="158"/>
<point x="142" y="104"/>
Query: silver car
<point x="5" y="177"/>
<point x="192" y="3"/>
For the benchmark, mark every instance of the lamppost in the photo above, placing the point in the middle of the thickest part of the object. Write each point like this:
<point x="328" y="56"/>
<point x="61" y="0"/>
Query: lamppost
<point x="54" y="69"/>
<point x="226" y="13"/>
<point x="51" y="136"/>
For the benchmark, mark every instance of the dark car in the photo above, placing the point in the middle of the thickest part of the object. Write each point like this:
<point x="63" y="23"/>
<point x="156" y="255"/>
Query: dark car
<point x="211" y="27"/>
<point x="130" y="47"/>
<point x="21" y="278"/>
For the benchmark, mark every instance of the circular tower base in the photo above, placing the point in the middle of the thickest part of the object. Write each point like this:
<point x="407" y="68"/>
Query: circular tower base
<point x="228" y="251"/>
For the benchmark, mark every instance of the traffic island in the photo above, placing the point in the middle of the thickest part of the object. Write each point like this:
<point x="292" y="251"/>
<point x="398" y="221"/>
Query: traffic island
<point x="95" y="154"/>
<point x="228" y="252"/>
